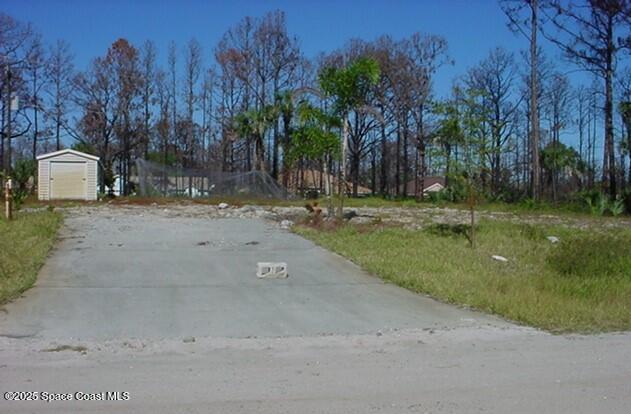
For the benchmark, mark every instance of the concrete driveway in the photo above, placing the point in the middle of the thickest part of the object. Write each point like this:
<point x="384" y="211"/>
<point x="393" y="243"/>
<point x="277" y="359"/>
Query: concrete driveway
<point x="168" y="309"/>
<point x="134" y="274"/>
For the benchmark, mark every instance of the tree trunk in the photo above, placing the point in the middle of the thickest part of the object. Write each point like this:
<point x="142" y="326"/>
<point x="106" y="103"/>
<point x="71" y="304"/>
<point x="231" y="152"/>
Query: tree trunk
<point x="7" y="148"/>
<point x="342" y="180"/>
<point x="355" y="165"/>
<point x="260" y="154"/>
<point x="629" y="155"/>
<point x="384" y="161"/>
<point x="534" y="111"/>
<point x="421" y="170"/>
<point x="609" y="159"/>
<point x="397" y="179"/>
<point x="275" y="152"/>
<point x="4" y="112"/>
<point x="405" y="160"/>
<point x="35" y="115"/>
<point x="373" y="172"/>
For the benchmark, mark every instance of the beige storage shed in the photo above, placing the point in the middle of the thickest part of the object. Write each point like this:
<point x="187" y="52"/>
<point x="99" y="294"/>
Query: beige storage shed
<point x="67" y="175"/>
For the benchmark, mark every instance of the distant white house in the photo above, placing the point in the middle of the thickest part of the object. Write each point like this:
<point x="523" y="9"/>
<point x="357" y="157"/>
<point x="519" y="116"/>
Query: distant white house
<point x="67" y="175"/>
<point x="432" y="184"/>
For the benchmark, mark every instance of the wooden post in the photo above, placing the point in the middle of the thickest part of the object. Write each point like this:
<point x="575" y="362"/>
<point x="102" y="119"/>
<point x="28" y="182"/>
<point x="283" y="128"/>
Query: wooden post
<point x="8" y="197"/>
<point x="342" y="179"/>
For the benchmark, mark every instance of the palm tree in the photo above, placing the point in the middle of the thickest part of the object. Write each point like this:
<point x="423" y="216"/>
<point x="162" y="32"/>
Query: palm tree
<point x="314" y="139"/>
<point x="285" y="107"/>
<point x="253" y="125"/>
<point x="349" y="87"/>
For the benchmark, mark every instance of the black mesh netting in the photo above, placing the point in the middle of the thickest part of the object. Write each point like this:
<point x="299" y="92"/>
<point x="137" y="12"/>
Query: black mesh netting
<point x="160" y="180"/>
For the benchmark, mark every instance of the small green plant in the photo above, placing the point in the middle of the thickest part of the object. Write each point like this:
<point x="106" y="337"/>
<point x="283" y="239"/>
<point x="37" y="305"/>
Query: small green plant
<point x="599" y="205"/>
<point x="596" y="204"/>
<point x="439" y="197"/>
<point x="22" y="172"/>
<point x="529" y="204"/>
<point x="616" y="207"/>
<point x="19" y="195"/>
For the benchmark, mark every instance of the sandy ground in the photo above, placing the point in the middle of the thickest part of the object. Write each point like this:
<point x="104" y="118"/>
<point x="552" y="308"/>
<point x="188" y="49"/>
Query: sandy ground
<point x="165" y="306"/>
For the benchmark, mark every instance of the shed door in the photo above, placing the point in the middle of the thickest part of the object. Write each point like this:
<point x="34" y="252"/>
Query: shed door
<point x="68" y="180"/>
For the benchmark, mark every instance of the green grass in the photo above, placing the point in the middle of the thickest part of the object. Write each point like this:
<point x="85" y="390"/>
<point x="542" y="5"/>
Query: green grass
<point x="582" y="284"/>
<point x="24" y="244"/>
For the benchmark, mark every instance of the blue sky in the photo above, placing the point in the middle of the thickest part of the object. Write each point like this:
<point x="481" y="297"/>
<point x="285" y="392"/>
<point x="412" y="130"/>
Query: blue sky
<point x="471" y="27"/>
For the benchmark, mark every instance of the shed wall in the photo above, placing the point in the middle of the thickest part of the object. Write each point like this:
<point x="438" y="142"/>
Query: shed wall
<point x="43" y="182"/>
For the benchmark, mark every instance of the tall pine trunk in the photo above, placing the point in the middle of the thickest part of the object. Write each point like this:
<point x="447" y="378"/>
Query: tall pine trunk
<point x="609" y="159"/>
<point x="534" y="111"/>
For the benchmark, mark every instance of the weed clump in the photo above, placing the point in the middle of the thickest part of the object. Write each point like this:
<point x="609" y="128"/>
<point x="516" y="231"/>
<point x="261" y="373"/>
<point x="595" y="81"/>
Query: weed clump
<point x="593" y="256"/>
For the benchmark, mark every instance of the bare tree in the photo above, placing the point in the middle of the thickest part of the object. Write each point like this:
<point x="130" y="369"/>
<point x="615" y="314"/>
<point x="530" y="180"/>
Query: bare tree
<point x="624" y="82"/>
<point x="162" y="126"/>
<point x="60" y="73"/>
<point x="284" y="60"/>
<point x="109" y="97"/>
<point x="592" y="36"/>
<point x="96" y="96"/>
<point x="207" y="108"/>
<point x="529" y="27"/>
<point x="35" y="63"/>
<point x="427" y="53"/>
<point x="172" y="64"/>
<point x="124" y="58"/>
<point x="148" y="73"/>
<point x="14" y="39"/>
<point x="558" y="101"/>
<point x="494" y="78"/>
<point x="192" y="71"/>
<point x="582" y="99"/>
<point x="234" y="56"/>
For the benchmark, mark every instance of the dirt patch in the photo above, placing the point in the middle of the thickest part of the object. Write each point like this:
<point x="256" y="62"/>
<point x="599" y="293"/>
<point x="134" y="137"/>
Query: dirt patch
<point x="60" y="348"/>
<point x="409" y="218"/>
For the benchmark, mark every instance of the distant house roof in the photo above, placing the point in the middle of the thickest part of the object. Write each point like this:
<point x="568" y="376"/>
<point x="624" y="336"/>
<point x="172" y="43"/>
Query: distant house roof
<point x="431" y="183"/>
<point x="67" y="151"/>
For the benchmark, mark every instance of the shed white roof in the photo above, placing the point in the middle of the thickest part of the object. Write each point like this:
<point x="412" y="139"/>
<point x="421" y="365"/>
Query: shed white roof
<point x="68" y="151"/>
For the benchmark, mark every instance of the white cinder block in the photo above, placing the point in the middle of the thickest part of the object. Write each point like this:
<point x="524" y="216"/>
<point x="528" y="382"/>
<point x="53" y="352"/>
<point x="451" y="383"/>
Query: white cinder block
<point x="270" y="270"/>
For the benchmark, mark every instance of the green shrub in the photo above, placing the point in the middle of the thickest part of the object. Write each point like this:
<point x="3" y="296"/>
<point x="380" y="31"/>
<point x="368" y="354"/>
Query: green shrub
<point x="599" y="204"/>
<point x="616" y="207"/>
<point x="529" y="204"/>
<point x="596" y="203"/>
<point x="19" y="195"/>
<point x="24" y="169"/>
<point x="593" y="256"/>
<point x="438" y="196"/>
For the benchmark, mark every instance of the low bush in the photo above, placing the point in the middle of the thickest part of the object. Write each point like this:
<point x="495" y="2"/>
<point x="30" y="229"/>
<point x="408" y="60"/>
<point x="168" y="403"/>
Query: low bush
<point x="597" y="255"/>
